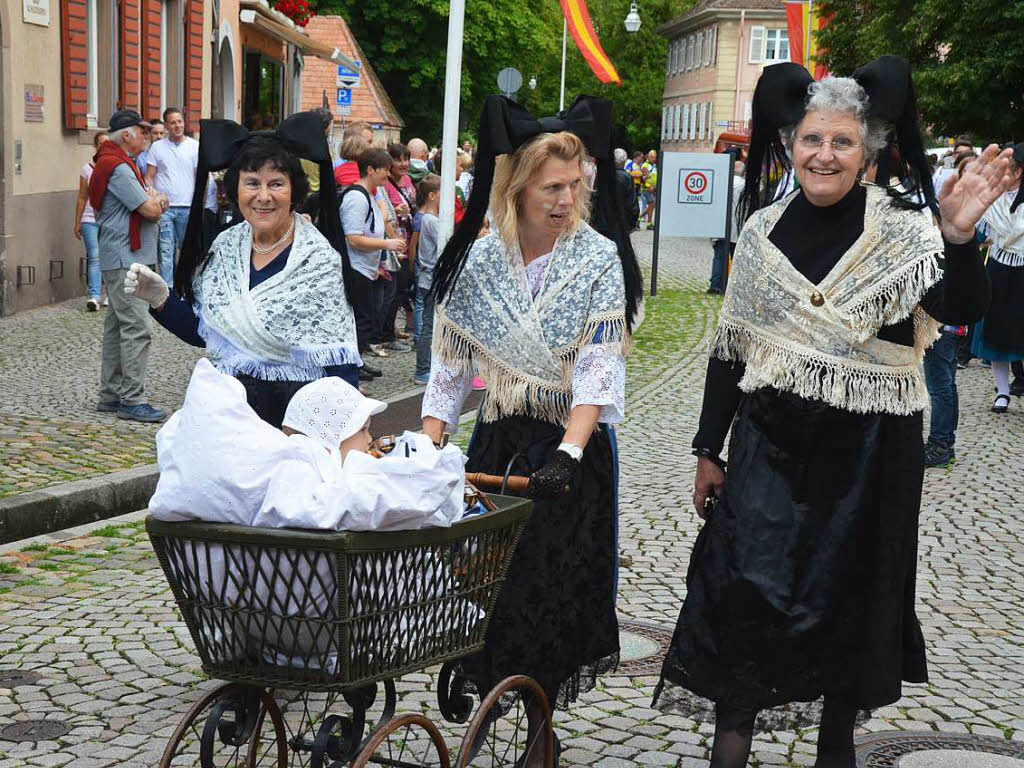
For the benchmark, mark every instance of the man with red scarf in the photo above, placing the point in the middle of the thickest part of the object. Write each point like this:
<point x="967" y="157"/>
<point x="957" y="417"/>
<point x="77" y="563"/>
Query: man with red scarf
<point x="126" y="213"/>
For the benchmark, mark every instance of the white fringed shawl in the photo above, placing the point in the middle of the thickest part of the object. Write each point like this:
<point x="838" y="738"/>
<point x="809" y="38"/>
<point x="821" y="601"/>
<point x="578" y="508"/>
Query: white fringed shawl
<point x="287" y="327"/>
<point x="830" y="352"/>
<point x="527" y="348"/>
<point x="1006" y="231"/>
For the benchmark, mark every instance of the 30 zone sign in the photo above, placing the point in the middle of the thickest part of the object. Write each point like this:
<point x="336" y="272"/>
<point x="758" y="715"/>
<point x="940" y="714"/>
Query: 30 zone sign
<point x="695" y="185"/>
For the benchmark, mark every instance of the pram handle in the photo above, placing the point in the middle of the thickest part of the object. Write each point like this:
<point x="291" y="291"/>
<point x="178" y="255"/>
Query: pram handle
<point x="516" y="484"/>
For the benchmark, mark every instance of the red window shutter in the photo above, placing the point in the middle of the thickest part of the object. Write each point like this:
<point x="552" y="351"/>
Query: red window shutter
<point x="128" y="75"/>
<point x="74" y="51"/>
<point x="193" y="64"/>
<point x="150" y="58"/>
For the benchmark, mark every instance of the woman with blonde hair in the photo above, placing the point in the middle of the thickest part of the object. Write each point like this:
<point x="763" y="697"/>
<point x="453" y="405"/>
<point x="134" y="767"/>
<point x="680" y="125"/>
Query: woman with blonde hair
<point x="545" y="307"/>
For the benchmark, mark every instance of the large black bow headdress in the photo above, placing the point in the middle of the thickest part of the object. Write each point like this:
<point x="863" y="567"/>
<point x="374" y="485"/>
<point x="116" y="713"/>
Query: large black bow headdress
<point x="780" y="101"/>
<point x="220" y="141"/>
<point x="1018" y="158"/>
<point x="504" y="127"/>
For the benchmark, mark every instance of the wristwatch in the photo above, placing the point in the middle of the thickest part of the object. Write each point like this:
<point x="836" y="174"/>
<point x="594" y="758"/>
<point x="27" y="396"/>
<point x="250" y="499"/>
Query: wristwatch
<point x="574" y="451"/>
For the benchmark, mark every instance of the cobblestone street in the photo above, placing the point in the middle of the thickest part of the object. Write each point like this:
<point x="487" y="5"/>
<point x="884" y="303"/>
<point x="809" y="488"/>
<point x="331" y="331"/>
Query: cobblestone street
<point x="91" y="613"/>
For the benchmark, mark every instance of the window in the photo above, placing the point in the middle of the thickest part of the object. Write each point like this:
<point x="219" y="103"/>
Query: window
<point x="668" y="61"/>
<point x="664" y="118"/>
<point x="92" y="63"/>
<point x="686" y="121"/>
<point x="708" y="35"/>
<point x="756" y="45"/>
<point x="711" y="120"/>
<point x="676" y="56"/>
<point x="690" y="43"/>
<point x="693" y="122"/>
<point x="698" y="49"/>
<point x="746" y="111"/>
<point x="172" y="47"/>
<point x="714" y="45"/>
<point x="776" y="46"/>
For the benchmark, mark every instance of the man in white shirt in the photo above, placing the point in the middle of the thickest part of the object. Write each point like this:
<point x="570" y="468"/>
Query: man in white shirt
<point x="171" y="167"/>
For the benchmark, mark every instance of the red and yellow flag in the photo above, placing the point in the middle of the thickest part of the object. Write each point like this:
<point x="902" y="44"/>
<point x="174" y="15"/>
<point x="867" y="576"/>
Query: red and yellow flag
<point x="578" y="19"/>
<point x="801" y="18"/>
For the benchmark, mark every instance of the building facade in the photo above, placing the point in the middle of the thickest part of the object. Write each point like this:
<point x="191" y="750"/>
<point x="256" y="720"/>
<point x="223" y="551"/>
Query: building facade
<point x="67" y="65"/>
<point x="716" y="53"/>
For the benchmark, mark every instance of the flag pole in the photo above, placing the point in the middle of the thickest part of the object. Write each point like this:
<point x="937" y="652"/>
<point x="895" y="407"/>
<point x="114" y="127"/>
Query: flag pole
<point x="561" y="90"/>
<point x="450" y="125"/>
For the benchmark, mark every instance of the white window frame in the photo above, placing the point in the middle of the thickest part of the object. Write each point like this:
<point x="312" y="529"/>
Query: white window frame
<point x="686" y="122"/>
<point x="664" y="116"/>
<point x="678" y="118"/>
<point x="711" y="121"/>
<point x="714" y="45"/>
<point x="757" y="38"/>
<point x="707" y="47"/>
<point x="700" y="121"/>
<point x="698" y="49"/>
<point x="92" y="63"/>
<point x="777" y="35"/>
<point x="690" y="43"/>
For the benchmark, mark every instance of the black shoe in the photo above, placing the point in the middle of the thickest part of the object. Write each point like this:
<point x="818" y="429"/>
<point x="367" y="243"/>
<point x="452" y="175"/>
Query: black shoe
<point x="936" y="455"/>
<point x="374" y="372"/>
<point x="365" y="375"/>
<point x="1001" y="404"/>
<point x="714" y="291"/>
<point x="1017" y="388"/>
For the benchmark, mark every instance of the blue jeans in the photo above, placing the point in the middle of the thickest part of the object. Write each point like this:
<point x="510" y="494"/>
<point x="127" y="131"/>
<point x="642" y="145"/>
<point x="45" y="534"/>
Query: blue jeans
<point x="425" y="306"/>
<point x="940" y="376"/>
<point x="721" y="249"/>
<point x="93" y="276"/>
<point x="172" y="233"/>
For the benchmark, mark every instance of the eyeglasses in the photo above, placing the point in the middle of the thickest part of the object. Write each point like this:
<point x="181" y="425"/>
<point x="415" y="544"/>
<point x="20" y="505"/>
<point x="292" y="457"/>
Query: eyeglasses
<point x="814" y="142"/>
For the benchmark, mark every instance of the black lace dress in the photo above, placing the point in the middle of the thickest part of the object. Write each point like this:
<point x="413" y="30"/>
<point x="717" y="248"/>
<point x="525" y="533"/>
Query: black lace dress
<point x="555" y="617"/>
<point x="802" y="583"/>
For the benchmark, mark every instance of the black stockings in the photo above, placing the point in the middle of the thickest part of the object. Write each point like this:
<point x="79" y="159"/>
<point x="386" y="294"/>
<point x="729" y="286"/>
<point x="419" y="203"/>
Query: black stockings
<point x="734" y="731"/>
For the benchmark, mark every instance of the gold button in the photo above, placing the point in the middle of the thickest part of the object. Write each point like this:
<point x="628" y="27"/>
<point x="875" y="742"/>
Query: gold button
<point x="817" y="299"/>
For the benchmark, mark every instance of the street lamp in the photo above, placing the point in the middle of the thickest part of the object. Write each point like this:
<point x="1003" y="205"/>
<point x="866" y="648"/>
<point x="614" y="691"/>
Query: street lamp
<point x="632" y="21"/>
<point x="533" y="82"/>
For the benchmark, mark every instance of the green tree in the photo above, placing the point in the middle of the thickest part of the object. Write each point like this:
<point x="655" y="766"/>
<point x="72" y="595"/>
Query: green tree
<point x="405" y="41"/>
<point x="967" y="57"/>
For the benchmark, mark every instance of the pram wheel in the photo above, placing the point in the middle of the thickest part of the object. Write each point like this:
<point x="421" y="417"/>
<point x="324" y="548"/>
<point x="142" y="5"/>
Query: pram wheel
<point x="511" y="728"/>
<point x="407" y="741"/>
<point x="229" y="728"/>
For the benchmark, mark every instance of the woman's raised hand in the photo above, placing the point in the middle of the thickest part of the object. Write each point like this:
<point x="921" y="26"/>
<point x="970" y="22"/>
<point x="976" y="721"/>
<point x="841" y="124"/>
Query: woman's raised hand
<point x="143" y="282"/>
<point x="964" y="199"/>
<point x="708" y="483"/>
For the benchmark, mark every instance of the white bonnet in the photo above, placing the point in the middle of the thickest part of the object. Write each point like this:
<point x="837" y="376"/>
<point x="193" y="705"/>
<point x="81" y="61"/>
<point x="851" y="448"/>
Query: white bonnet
<point x="330" y="410"/>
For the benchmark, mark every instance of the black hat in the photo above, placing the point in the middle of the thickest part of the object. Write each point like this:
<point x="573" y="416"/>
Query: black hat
<point x="126" y="118"/>
<point x="504" y="127"/>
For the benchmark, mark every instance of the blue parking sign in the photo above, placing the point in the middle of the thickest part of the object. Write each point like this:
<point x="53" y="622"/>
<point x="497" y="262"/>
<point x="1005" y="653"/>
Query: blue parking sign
<point x="344" y="97"/>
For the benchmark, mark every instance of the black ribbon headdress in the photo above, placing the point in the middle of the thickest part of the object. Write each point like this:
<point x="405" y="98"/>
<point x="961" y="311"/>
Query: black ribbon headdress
<point x="219" y="142"/>
<point x="504" y="127"/>
<point x="780" y="100"/>
<point x="1018" y="158"/>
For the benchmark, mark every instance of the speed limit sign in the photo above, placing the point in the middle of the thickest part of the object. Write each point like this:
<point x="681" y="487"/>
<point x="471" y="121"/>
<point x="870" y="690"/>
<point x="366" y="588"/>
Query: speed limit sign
<point x="695" y="185"/>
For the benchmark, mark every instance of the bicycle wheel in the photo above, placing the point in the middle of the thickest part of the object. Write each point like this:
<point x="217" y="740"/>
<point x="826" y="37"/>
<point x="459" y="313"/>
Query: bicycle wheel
<point x="226" y="728"/>
<point x="406" y="741"/>
<point x="511" y="728"/>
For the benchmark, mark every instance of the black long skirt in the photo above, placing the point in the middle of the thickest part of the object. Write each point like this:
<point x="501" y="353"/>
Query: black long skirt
<point x="555" y="617"/>
<point x="802" y="583"/>
<point x="1002" y="330"/>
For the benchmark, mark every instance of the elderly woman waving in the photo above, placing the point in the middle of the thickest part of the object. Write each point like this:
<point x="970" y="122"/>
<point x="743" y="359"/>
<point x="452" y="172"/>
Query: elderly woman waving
<point x="801" y="583"/>
<point x="268" y="299"/>
<point x="545" y="307"/>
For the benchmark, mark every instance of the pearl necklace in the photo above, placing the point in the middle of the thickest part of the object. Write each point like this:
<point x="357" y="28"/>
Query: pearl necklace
<point x="269" y="248"/>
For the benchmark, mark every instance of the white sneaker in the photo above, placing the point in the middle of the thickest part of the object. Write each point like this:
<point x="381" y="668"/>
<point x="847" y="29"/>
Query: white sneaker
<point x="92" y="305"/>
<point x="105" y="302"/>
<point x="378" y="350"/>
<point x="398" y="346"/>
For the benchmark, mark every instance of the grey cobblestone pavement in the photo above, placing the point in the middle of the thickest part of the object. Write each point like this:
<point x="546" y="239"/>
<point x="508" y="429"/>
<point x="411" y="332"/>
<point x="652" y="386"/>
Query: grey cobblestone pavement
<point x="50" y="431"/>
<point x="92" y="614"/>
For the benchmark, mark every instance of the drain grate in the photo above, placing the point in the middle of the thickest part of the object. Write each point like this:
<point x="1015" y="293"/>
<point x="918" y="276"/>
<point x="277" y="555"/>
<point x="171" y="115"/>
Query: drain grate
<point x="34" y="730"/>
<point x="884" y="750"/>
<point x="13" y="678"/>
<point x="642" y="648"/>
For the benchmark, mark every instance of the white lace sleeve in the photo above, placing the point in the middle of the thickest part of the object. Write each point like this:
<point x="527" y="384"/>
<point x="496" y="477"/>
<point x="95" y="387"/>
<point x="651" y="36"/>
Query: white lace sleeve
<point x="599" y="378"/>
<point x="446" y="392"/>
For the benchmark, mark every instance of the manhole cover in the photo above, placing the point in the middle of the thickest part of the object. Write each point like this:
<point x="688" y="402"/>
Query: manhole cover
<point x="886" y="750"/>
<point x="12" y="678"/>
<point x="642" y="648"/>
<point x="34" y="730"/>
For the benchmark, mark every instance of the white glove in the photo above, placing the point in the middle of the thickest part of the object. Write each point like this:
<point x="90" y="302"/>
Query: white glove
<point x="143" y="282"/>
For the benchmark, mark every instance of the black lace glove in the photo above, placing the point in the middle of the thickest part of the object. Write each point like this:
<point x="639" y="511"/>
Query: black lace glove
<point x="552" y="480"/>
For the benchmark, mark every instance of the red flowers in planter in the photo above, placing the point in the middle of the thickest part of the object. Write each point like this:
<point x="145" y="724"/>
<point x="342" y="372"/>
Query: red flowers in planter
<point x="296" y="10"/>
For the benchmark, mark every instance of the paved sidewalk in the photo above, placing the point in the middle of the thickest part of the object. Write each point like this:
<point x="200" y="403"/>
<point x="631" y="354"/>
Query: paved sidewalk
<point x="50" y="431"/>
<point x="92" y="614"/>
